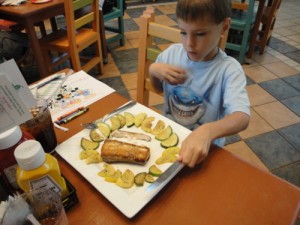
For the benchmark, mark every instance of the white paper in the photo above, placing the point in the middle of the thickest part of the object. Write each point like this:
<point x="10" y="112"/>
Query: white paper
<point x="14" y="75"/>
<point x="13" y="110"/>
<point x="79" y="89"/>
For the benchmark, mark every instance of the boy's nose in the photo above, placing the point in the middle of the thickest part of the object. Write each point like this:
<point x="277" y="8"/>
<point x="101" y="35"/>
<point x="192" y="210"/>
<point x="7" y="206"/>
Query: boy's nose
<point x="190" y="41"/>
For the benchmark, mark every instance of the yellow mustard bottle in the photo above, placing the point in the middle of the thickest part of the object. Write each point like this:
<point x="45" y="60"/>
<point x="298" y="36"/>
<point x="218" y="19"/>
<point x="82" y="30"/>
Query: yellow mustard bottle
<point x="37" y="169"/>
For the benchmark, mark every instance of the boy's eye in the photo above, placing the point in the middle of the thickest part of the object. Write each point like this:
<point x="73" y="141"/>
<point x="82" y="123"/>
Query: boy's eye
<point x="183" y="33"/>
<point x="200" y="34"/>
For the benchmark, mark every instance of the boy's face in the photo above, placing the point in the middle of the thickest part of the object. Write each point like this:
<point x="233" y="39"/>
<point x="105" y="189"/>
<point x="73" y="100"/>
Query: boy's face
<point x="200" y="38"/>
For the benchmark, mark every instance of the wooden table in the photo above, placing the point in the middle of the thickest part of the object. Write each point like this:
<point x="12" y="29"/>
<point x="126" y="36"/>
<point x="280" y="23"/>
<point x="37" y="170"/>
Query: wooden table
<point x="224" y="190"/>
<point x="30" y="14"/>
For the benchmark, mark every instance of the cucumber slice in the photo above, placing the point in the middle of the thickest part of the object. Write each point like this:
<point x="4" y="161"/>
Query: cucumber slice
<point x="104" y="128"/>
<point x="139" y="179"/>
<point x="129" y="118"/>
<point x="96" y="135"/>
<point x="149" y="178"/>
<point x="170" y="142"/>
<point x="87" y="144"/>
<point x="115" y="123"/>
<point x="155" y="171"/>
<point x="166" y="133"/>
<point x="147" y="124"/>
<point x="139" y="118"/>
<point x="160" y="125"/>
<point x="122" y="120"/>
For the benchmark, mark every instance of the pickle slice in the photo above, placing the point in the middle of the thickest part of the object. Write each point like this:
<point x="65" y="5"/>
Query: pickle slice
<point x="155" y="171"/>
<point x="166" y="133"/>
<point x="147" y="124"/>
<point x="87" y="144"/>
<point x="149" y="178"/>
<point x="170" y="141"/>
<point x="139" y="118"/>
<point x="129" y="118"/>
<point x="115" y="123"/>
<point x="104" y="129"/>
<point x="159" y="127"/>
<point x="139" y="179"/>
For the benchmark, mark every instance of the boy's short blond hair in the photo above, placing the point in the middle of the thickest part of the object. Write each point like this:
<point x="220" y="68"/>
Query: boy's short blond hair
<point x="193" y="10"/>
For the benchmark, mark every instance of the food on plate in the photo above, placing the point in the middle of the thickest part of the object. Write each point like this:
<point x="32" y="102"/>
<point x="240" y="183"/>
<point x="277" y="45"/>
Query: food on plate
<point x="115" y="123"/>
<point x="104" y="129"/>
<point x="126" y="180"/>
<point x="90" y="156"/>
<point x="139" y="179"/>
<point x="114" y="177"/>
<point x="170" y="158"/>
<point x="160" y="125"/>
<point x="129" y="118"/>
<point x="149" y="178"/>
<point x="108" y="170"/>
<point x="155" y="171"/>
<point x="164" y="134"/>
<point x="122" y="120"/>
<point x="87" y="144"/>
<point x="170" y="141"/>
<point x="130" y="135"/>
<point x="118" y="151"/>
<point x="139" y="118"/>
<point x="147" y="124"/>
<point x="169" y="155"/>
<point x="96" y="135"/>
<point x="171" y="150"/>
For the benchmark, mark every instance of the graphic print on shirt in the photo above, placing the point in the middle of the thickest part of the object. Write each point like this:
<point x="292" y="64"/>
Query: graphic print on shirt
<point x="186" y="106"/>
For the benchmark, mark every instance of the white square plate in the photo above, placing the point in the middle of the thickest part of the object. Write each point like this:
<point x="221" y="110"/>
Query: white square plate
<point x="119" y="197"/>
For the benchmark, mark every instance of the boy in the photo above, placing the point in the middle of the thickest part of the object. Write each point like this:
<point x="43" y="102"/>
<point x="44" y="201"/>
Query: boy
<point x="204" y="89"/>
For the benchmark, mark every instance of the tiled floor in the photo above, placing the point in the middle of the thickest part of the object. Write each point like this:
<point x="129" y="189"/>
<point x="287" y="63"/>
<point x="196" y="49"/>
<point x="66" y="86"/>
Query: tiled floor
<point x="272" y="141"/>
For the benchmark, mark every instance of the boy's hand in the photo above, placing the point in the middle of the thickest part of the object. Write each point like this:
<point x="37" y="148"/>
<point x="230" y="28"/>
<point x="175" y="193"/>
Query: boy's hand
<point x="195" y="147"/>
<point x="169" y="73"/>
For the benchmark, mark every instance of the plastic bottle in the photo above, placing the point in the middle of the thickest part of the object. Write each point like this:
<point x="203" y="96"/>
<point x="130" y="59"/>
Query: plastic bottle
<point x="37" y="169"/>
<point x="9" y="140"/>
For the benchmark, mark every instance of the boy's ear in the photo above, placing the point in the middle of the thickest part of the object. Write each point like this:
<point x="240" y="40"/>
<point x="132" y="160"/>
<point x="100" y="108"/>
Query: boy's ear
<point x="226" y="24"/>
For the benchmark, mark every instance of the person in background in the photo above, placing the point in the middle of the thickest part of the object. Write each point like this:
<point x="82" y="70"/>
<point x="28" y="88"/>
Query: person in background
<point x="204" y="89"/>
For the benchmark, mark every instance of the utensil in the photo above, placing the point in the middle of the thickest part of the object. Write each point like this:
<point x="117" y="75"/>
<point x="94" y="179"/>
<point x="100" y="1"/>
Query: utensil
<point x="93" y="125"/>
<point x="163" y="179"/>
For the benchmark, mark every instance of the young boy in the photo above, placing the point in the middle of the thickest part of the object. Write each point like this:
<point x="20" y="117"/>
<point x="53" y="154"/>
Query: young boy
<point x="204" y="89"/>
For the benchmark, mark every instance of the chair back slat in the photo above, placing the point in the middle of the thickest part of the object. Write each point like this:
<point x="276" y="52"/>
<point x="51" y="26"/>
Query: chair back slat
<point x="86" y="19"/>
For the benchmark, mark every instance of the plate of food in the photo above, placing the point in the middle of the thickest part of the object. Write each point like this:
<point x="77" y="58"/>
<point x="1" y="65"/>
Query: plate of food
<point x="125" y="154"/>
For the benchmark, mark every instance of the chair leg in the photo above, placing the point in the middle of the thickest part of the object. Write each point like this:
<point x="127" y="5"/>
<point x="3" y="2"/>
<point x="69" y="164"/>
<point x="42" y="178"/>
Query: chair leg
<point x="121" y="30"/>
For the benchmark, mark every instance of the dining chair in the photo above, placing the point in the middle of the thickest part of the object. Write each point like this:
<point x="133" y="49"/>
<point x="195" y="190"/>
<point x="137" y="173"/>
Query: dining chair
<point x="81" y="33"/>
<point x="110" y="18"/>
<point x="264" y="25"/>
<point x="242" y="21"/>
<point x="148" y="52"/>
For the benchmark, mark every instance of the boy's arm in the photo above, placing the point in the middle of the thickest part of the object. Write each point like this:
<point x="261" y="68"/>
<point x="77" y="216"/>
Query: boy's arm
<point x="165" y="72"/>
<point x="196" y="146"/>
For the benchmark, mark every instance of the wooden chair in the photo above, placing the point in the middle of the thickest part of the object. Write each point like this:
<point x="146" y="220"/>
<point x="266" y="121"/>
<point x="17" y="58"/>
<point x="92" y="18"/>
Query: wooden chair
<point x="264" y="25"/>
<point x="148" y="53"/>
<point x="242" y="21"/>
<point x="82" y="31"/>
<point x="115" y="14"/>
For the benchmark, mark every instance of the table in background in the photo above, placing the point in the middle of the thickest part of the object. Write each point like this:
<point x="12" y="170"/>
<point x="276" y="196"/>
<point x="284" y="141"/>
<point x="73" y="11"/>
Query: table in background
<point x="223" y="190"/>
<point x="30" y="14"/>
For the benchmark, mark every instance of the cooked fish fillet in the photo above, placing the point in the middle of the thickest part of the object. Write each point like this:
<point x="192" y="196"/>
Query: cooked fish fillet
<point x="118" y="151"/>
<point x="130" y="135"/>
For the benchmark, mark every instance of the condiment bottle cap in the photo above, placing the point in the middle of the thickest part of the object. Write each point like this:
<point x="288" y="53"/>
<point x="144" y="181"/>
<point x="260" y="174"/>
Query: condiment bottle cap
<point x="10" y="137"/>
<point x="30" y="155"/>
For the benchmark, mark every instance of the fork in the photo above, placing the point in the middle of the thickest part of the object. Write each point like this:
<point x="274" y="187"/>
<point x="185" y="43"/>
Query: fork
<point x="93" y="125"/>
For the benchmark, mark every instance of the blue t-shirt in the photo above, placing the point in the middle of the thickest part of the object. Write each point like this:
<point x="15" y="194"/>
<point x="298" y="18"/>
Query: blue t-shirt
<point x="212" y="90"/>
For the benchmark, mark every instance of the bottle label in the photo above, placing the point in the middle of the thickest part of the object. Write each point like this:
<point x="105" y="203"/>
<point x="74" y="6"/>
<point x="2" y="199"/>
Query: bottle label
<point x="10" y="173"/>
<point x="46" y="182"/>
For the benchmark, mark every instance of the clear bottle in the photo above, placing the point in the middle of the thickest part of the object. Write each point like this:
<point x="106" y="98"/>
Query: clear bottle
<point x="37" y="169"/>
<point x="9" y="140"/>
